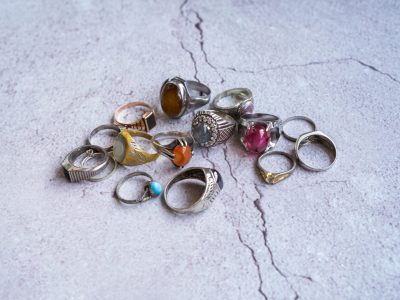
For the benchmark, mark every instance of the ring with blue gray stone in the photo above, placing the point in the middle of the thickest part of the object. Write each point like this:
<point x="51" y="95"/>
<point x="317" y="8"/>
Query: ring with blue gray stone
<point x="152" y="189"/>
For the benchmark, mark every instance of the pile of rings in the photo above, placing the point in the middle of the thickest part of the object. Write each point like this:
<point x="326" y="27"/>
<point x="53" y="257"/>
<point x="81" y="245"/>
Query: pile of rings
<point x="258" y="133"/>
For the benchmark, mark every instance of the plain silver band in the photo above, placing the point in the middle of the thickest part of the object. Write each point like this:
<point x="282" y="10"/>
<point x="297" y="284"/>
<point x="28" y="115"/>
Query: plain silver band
<point x="198" y="101"/>
<point x="210" y="177"/>
<point x="97" y="179"/>
<point x="77" y="173"/>
<point x="273" y="123"/>
<point x="303" y="118"/>
<point x="313" y="138"/>
<point x="281" y="175"/>
<point x="100" y="128"/>
<point x="144" y="197"/>
<point x="233" y="110"/>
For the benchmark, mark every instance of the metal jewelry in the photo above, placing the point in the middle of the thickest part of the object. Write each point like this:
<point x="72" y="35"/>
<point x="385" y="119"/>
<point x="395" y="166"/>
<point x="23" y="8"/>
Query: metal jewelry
<point x="303" y="118"/>
<point x="259" y="132"/>
<point x="77" y="173"/>
<point x="101" y="128"/>
<point x="270" y="177"/>
<point x="213" y="185"/>
<point x="315" y="137"/>
<point x="145" y="123"/>
<point x="179" y="96"/>
<point x="244" y="102"/>
<point x="101" y="178"/>
<point x="151" y="189"/>
<point x="210" y="128"/>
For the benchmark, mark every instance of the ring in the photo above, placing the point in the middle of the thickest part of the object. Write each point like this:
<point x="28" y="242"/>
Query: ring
<point x="97" y="179"/>
<point x="77" y="173"/>
<point x="315" y="137"/>
<point x="180" y="151"/>
<point x="308" y="120"/>
<point x="152" y="189"/>
<point x="128" y="152"/>
<point x="100" y="128"/>
<point x="210" y="127"/>
<point x="272" y="178"/>
<point x="244" y="102"/>
<point x="146" y="122"/>
<point x="213" y="185"/>
<point x="259" y="132"/>
<point x="179" y="96"/>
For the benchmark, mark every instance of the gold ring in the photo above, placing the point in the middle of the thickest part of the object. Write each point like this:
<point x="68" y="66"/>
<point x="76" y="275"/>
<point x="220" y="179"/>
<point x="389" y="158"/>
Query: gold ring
<point x="128" y="152"/>
<point x="146" y="122"/>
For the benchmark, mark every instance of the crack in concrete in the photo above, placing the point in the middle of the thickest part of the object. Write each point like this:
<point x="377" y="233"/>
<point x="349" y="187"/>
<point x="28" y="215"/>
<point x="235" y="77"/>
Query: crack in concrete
<point x="192" y="58"/>
<point x="253" y="256"/>
<point x="264" y="232"/>
<point x="204" y="154"/>
<point x="225" y="149"/>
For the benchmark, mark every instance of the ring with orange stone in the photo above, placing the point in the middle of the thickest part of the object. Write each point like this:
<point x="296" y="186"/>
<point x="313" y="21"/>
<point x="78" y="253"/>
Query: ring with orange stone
<point x="180" y="147"/>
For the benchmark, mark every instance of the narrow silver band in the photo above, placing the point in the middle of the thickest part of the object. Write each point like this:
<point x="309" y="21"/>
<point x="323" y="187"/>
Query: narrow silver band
<point x="77" y="173"/>
<point x="270" y="177"/>
<point x="213" y="185"/>
<point x="244" y="102"/>
<point x="146" y="195"/>
<point x="101" y="128"/>
<point x="315" y="137"/>
<point x="101" y="178"/>
<point x="303" y="118"/>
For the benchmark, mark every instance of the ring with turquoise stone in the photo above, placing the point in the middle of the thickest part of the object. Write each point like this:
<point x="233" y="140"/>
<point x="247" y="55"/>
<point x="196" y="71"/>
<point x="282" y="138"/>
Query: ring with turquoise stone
<point x="152" y="189"/>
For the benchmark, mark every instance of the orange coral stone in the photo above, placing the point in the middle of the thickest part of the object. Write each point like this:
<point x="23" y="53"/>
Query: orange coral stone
<point x="171" y="101"/>
<point x="182" y="155"/>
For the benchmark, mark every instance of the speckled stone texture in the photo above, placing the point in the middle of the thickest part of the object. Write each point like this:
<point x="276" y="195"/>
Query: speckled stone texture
<point x="65" y="67"/>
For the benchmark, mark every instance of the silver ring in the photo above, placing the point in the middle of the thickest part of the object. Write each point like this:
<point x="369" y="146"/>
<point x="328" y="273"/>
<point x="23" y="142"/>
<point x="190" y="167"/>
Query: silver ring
<point x="303" y="118"/>
<point x="211" y="127"/>
<point x="213" y="185"/>
<point x="313" y="138"/>
<point x="97" y="179"/>
<point x="151" y="189"/>
<point x="259" y="132"/>
<point x="77" y="173"/>
<point x="270" y="177"/>
<point x="244" y="102"/>
<point x="100" y="128"/>
<point x="179" y="96"/>
<point x="179" y="151"/>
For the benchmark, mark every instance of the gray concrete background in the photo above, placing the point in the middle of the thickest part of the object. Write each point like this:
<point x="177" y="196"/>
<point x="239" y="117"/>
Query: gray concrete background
<point x="65" y="67"/>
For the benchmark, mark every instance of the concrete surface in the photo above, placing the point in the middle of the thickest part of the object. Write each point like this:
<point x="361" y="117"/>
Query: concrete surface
<point x="65" y="67"/>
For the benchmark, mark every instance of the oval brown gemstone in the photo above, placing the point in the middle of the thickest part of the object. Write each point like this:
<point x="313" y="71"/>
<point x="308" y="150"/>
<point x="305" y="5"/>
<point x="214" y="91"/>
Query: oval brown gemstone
<point x="171" y="101"/>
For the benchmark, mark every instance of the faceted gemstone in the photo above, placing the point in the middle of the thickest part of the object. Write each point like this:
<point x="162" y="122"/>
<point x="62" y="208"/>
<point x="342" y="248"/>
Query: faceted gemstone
<point x="155" y="188"/>
<point x="182" y="155"/>
<point x="247" y="108"/>
<point x="256" y="138"/>
<point x="201" y="133"/>
<point x="171" y="101"/>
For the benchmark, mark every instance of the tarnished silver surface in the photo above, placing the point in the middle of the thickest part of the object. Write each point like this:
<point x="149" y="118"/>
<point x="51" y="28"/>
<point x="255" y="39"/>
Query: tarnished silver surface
<point x="213" y="185"/>
<point x="77" y="173"/>
<point x="146" y="195"/>
<point x="219" y="126"/>
<point x="105" y="176"/>
<point x="312" y="138"/>
<point x="271" y="177"/>
<point x="101" y="128"/>
<point x="244" y="102"/>
<point x="306" y="119"/>
<point x="193" y="94"/>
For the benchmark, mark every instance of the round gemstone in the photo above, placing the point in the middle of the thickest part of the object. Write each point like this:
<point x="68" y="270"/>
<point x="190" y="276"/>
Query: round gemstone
<point x="182" y="155"/>
<point x="171" y="100"/>
<point x="155" y="188"/>
<point x="202" y="133"/>
<point x="256" y="138"/>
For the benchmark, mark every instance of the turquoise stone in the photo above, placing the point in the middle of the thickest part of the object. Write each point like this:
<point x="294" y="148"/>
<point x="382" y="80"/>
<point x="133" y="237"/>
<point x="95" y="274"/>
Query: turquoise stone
<point x="155" y="188"/>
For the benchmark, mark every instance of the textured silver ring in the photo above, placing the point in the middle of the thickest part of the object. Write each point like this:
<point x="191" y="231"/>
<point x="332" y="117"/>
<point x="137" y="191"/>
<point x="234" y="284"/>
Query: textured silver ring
<point x="303" y="118"/>
<point x="315" y="137"/>
<point x="179" y="96"/>
<point x="101" y="128"/>
<point x="244" y="102"/>
<point x="213" y="185"/>
<point x="259" y="132"/>
<point x="77" y="173"/>
<point x="275" y="177"/>
<point x="210" y="128"/>
<point x="101" y="178"/>
<point x="151" y="189"/>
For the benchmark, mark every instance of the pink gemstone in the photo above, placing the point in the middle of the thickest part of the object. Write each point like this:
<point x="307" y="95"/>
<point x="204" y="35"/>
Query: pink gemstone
<point x="256" y="138"/>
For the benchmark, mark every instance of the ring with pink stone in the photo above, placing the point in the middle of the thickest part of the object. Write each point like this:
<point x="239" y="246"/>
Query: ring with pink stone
<point x="259" y="132"/>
